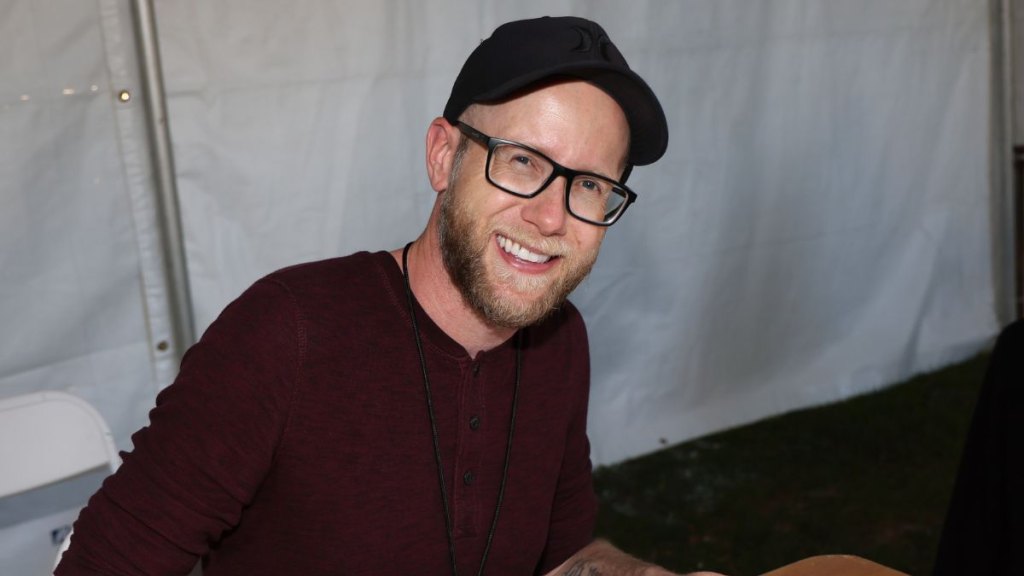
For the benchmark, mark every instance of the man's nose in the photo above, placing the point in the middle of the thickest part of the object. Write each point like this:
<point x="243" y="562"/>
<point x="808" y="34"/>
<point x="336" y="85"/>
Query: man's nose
<point x="546" y="210"/>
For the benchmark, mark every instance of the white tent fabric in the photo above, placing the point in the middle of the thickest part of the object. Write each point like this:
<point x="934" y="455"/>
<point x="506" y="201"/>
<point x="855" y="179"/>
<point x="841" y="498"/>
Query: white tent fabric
<point x="82" y="299"/>
<point x="821" y="225"/>
<point x="82" y="304"/>
<point x="818" y="228"/>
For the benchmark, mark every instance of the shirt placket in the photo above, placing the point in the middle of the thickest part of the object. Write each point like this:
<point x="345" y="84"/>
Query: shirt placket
<point x="471" y="422"/>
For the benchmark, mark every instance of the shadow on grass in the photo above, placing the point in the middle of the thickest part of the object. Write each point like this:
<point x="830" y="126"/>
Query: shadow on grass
<point x="870" y="476"/>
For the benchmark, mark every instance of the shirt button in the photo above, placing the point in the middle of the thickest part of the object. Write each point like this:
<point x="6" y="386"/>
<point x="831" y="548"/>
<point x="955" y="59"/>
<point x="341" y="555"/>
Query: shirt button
<point x="474" y="423"/>
<point x="476" y="369"/>
<point x="468" y="477"/>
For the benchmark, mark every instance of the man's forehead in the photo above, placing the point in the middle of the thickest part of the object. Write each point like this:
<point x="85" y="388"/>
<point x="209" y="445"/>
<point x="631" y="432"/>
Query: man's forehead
<point x="567" y="120"/>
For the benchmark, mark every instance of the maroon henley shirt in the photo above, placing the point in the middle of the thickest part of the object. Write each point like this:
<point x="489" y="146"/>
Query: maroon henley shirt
<point x="296" y="440"/>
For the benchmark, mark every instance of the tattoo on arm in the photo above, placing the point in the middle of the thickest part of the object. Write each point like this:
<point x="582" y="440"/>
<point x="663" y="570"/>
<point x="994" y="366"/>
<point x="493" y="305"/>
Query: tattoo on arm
<point x="578" y="568"/>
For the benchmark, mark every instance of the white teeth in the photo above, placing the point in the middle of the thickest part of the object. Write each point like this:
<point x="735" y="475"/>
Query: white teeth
<point x="518" y="251"/>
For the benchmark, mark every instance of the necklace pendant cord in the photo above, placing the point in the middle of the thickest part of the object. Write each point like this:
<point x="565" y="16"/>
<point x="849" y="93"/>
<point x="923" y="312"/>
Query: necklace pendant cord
<point x="449" y="530"/>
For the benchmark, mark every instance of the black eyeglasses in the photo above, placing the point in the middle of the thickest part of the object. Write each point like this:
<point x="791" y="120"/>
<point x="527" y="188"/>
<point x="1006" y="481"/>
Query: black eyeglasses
<point x="522" y="171"/>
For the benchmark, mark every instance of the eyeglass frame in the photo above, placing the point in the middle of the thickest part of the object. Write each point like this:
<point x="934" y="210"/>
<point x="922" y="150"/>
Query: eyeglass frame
<point x="491" y="142"/>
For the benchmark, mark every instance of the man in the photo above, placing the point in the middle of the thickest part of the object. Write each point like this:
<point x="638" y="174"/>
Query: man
<point x="421" y="411"/>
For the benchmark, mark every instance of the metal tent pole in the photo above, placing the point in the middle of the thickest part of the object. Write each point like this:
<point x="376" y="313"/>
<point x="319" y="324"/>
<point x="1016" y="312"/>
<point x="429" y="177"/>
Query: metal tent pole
<point x="168" y="213"/>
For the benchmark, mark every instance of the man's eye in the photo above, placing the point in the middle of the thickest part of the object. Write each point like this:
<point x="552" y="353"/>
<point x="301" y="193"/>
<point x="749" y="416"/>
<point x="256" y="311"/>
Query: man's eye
<point x="590" y="185"/>
<point x="522" y="159"/>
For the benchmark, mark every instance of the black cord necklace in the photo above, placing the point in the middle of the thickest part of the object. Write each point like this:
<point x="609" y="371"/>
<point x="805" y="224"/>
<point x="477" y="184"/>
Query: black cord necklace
<point x="433" y="428"/>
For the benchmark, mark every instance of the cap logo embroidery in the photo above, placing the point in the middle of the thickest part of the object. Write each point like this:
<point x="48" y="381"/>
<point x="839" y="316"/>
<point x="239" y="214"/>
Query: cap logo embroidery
<point x="587" y="42"/>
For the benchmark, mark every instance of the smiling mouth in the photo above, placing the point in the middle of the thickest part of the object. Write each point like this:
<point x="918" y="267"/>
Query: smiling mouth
<point x="520" y="252"/>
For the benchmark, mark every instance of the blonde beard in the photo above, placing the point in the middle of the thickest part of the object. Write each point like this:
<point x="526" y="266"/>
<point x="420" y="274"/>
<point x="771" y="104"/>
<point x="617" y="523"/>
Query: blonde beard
<point x="468" y="270"/>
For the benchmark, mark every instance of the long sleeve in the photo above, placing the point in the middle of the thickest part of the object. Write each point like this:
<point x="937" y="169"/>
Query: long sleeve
<point x="574" y="510"/>
<point x="210" y="442"/>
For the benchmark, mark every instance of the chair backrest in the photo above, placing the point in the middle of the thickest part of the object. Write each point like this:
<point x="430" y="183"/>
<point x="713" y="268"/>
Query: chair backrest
<point x="49" y="436"/>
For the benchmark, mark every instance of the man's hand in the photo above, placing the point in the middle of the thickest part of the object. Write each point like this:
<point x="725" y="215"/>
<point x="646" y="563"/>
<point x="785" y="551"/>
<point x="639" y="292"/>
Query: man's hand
<point x="600" y="558"/>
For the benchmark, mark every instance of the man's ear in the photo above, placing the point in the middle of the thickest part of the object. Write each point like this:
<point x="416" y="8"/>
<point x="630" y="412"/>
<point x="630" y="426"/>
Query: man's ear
<point x="442" y="142"/>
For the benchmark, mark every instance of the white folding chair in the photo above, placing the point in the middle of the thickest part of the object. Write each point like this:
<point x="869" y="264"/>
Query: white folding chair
<point x="46" y="437"/>
<point x="49" y="437"/>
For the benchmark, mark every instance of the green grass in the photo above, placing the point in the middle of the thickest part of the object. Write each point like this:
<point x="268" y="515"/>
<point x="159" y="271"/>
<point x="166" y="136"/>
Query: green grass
<point x="870" y="476"/>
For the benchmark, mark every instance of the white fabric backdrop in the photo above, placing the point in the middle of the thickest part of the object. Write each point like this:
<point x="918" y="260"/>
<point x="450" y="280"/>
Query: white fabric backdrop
<point x="81" y="299"/>
<point x="82" y="303"/>
<point x="819" y="227"/>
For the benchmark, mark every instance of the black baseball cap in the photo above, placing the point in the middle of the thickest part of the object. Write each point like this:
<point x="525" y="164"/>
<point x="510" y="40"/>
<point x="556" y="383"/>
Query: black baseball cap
<point x="521" y="54"/>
